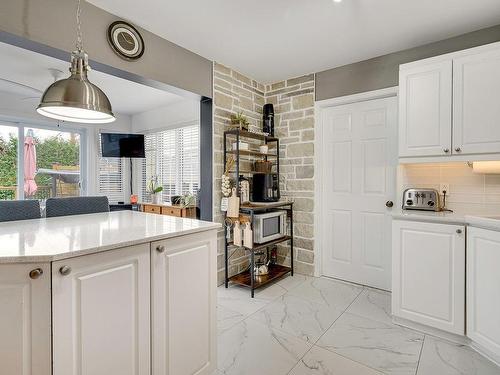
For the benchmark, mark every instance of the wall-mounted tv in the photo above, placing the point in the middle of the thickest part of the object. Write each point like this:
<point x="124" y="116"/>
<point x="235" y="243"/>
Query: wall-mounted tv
<point x="116" y="145"/>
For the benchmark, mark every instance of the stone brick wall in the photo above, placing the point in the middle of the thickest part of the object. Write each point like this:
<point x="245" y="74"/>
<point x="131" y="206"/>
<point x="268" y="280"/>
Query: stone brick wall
<point x="233" y="93"/>
<point x="293" y="101"/>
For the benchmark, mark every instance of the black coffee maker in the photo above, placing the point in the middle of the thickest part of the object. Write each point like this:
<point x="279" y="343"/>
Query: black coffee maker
<point x="268" y="123"/>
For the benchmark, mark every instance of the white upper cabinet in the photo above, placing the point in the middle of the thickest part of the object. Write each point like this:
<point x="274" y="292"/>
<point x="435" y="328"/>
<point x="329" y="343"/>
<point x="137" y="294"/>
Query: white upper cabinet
<point x="483" y="289"/>
<point x="425" y="109"/>
<point x="428" y="285"/>
<point x="476" y="103"/>
<point x="449" y="106"/>
<point x="25" y="319"/>
<point x="101" y="313"/>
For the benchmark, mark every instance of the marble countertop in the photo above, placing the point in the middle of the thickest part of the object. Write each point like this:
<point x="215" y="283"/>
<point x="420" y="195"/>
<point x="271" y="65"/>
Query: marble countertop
<point x="444" y="217"/>
<point x="486" y="222"/>
<point x="49" y="239"/>
<point x="491" y="222"/>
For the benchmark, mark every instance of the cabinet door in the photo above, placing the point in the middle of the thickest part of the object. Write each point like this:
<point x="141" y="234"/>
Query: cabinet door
<point x="101" y="313"/>
<point x="184" y="282"/>
<point x="25" y="319"/>
<point x="483" y="288"/>
<point x="425" y="94"/>
<point x="476" y="108"/>
<point x="428" y="284"/>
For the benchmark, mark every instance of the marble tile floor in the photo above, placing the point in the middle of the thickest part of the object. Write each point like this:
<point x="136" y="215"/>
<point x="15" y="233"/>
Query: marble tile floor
<point x="319" y="326"/>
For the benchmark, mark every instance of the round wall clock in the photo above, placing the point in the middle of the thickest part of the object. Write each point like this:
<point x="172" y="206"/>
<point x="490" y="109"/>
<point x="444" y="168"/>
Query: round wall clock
<point x="125" y="40"/>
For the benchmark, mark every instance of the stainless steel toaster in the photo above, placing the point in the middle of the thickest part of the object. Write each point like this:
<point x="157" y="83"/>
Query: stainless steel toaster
<point x="421" y="199"/>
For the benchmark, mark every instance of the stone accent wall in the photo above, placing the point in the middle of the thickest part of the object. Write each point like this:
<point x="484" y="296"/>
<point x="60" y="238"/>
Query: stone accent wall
<point x="293" y="101"/>
<point x="233" y="93"/>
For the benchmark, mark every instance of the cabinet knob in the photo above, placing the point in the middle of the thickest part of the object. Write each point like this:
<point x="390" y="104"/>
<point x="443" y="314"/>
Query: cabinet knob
<point x="160" y="248"/>
<point x="458" y="149"/>
<point x="459" y="231"/>
<point x="36" y="273"/>
<point x="389" y="204"/>
<point x="446" y="150"/>
<point x="65" y="270"/>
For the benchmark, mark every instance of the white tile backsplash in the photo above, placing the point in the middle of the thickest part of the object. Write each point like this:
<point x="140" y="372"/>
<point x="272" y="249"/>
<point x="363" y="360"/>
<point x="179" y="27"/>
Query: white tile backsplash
<point x="469" y="192"/>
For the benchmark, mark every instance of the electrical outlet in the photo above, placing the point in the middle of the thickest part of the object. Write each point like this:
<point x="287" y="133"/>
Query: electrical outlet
<point x="444" y="187"/>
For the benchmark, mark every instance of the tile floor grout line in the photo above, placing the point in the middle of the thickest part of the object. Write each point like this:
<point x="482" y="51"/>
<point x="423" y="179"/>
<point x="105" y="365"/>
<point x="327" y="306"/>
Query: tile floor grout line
<point x="339" y="354"/>
<point x="420" y="354"/>
<point x="314" y="344"/>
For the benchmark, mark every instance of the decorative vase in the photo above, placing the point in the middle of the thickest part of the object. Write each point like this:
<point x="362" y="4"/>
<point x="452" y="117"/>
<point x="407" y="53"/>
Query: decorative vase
<point x="156" y="198"/>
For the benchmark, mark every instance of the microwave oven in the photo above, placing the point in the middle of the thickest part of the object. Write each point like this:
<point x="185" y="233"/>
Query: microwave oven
<point x="269" y="226"/>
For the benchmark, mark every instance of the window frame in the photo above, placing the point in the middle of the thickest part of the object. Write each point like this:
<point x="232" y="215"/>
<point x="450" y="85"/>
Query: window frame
<point x="178" y="183"/>
<point x="22" y="125"/>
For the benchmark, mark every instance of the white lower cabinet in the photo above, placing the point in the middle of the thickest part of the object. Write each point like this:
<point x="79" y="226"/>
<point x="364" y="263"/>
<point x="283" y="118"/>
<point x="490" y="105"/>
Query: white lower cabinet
<point x="483" y="289"/>
<point x="183" y="282"/>
<point x="25" y="319"/>
<point x="428" y="285"/>
<point x="101" y="313"/>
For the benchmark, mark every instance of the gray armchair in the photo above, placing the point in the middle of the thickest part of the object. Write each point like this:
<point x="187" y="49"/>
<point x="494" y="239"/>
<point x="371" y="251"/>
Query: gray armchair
<point x="75" y="206"/>
<point x="19" y="210"/>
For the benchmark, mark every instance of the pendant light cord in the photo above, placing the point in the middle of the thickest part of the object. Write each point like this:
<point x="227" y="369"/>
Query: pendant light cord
<point x="79" y="38"/>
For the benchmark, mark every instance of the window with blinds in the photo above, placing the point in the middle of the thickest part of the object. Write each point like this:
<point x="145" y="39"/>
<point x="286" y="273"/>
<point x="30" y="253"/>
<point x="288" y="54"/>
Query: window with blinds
<point x="173" y="156"/>
<point x="111" y="177"/>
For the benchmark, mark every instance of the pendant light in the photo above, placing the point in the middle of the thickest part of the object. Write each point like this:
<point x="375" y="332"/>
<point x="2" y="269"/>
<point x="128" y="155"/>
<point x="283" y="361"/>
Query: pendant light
<point x="75" y="98"/>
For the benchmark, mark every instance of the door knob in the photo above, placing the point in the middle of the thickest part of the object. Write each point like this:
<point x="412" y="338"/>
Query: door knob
<point x="160" y="248"/>
<point x="65" y="270"/>
<point x="459" y="231"/>
<point x="446" y="150"/>
<point x="36" y="273"/>
<point x="389" y="204"/>
<point x="458" y="149"/>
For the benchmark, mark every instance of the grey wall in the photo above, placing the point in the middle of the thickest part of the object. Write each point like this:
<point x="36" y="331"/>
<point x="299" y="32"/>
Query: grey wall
<point x="52" y="23"/>
<point x="382" y="72"/>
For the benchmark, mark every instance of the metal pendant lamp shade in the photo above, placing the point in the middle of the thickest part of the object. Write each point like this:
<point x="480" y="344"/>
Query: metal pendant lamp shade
<point x="75" y="98"/>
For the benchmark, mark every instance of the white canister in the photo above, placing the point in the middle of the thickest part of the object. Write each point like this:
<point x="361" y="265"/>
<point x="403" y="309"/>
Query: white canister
<point x="264" y="149"/>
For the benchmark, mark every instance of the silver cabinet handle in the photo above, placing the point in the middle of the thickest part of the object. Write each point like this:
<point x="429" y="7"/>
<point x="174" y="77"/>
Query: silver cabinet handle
<point x="160" y="248"/>
<point x="65" y="270"/>
<point x="446" y="150"/>
<point x="458" y="149"/>
<point x="459" y="231"/>
<point x="36" y="273"/>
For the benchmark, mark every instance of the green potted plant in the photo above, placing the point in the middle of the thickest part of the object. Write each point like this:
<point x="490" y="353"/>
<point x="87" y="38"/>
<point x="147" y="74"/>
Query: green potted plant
<point x="155" y="190"/>
<point x="239" y="121"/>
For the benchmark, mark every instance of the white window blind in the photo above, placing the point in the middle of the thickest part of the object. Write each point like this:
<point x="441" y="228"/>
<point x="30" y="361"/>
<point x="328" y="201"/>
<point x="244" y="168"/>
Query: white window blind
<point x="111" y="177"/>
<point x="174" y="157"/>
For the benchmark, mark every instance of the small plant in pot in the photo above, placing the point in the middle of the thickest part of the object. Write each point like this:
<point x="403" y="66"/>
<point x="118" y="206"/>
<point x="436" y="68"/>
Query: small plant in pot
<point x="239" y="121"/>
<point x="155" y="190"/>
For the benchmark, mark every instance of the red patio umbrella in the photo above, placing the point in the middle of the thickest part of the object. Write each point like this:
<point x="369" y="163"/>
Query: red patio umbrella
<point x="30" y="186"/>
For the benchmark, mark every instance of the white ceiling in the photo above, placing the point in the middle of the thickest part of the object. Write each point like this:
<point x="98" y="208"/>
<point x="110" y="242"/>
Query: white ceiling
<point x="31" y="72"/>
<point x="270" y="40"/>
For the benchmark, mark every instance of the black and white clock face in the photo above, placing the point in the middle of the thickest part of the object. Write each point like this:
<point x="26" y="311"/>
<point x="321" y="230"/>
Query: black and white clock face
<point x="125" y="40"/>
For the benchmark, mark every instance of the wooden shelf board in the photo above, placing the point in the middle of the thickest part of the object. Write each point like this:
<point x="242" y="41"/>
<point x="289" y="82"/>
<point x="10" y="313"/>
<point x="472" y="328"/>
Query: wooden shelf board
<point x="252" y="172"/>
<point x="262" y="206"/>
<point x="250" y="153"/>
<point x="247" y="134"/>
<point x="275" y="271"/>
<point x="261" y="246"/>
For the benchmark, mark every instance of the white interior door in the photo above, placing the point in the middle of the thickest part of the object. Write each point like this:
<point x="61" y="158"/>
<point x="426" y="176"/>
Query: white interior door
<point x="358" y="164"/>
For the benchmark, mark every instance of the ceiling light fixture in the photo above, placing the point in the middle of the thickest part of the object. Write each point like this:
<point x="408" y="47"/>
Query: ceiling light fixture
<point x="75" y="98"/>
<point x="337" y="1"/>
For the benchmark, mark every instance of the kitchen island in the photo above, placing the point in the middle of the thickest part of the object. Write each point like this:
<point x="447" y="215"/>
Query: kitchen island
<point x="111" y="293"/>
